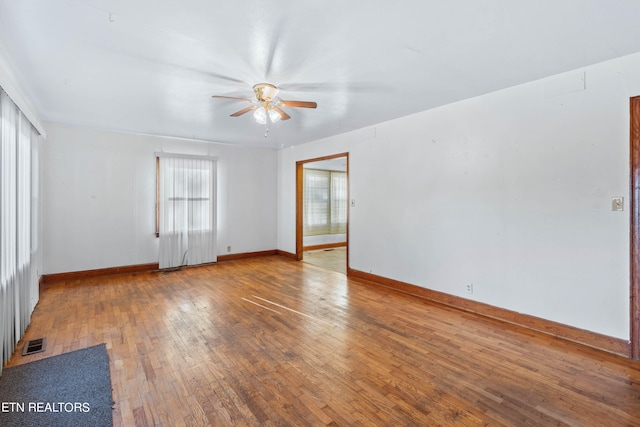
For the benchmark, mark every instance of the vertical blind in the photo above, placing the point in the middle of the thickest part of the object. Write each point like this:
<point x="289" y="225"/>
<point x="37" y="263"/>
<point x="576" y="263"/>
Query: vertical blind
<point x="187" y="210"/>
<point x="324" y="202"/>
<point x="18" y="221"/>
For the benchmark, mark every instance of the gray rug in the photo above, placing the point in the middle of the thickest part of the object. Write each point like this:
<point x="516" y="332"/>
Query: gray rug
<point x="72" y="389"/>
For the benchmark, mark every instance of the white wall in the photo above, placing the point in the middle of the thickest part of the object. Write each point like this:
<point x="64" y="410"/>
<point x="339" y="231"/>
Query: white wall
<point x="510" y="191"/>
<point x="11" y="83"/>
<point x="99" y="197"/>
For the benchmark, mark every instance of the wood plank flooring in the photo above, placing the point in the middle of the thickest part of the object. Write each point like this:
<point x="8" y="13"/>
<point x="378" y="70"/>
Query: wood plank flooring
<point x="334" y="259"/>
<point x="273" y="342"/>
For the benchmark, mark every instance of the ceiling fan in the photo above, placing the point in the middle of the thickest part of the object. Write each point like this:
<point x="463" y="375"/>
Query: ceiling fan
<point x="266" y="106"/>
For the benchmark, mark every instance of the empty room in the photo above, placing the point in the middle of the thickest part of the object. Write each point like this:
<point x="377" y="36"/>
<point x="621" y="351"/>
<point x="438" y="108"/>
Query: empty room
<point x="280" y="213"/>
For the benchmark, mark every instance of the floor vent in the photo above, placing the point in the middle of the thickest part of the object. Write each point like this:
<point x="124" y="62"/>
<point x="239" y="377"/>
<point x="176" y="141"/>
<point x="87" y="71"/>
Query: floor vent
<point x="34" y="346"/>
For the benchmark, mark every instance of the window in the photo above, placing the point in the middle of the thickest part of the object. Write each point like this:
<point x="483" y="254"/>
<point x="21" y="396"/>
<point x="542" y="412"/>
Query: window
<point x="188" y="190"/>
<point x="188" y="199"/>
<point x="18" y="221"/>
<point x="325" y="202"/>
<point x="185" y="209"/>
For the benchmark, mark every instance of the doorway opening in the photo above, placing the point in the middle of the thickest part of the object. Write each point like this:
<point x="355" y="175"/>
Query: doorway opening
<point x="322" y="211"/>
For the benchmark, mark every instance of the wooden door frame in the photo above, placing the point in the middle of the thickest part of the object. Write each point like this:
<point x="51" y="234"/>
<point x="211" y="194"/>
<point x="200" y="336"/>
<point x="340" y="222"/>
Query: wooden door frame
<point x="299" y="199"/>
<point x="634" y="295"/>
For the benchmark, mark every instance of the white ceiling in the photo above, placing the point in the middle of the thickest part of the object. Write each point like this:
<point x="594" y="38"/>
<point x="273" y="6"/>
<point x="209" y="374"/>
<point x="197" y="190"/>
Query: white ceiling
<point x="151" y="66"/>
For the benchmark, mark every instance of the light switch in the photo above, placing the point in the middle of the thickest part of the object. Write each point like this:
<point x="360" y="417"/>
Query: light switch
<point x="353" y="203"/>
<point x="617" y="203"/>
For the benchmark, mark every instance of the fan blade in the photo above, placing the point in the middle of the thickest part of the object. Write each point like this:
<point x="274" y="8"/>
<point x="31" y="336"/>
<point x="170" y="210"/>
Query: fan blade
<point x="246" y="110"/>
<point x="232" y="97"/>
<point x="302" y="104"/>
<point x="283" y="115"/>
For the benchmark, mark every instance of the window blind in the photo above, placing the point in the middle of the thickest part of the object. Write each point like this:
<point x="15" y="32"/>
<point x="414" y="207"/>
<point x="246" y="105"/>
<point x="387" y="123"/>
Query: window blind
<point x="17" y="267"/>
<point x="324" y="202"/>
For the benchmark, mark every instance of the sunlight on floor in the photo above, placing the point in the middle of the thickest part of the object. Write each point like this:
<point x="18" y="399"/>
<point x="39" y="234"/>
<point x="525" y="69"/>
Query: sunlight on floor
<point x="334" y="259"/>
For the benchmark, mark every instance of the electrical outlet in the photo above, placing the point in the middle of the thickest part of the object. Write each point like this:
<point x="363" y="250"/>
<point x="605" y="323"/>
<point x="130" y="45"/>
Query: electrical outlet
<point x="229" y="248"/>
<point x="469" y="288"/>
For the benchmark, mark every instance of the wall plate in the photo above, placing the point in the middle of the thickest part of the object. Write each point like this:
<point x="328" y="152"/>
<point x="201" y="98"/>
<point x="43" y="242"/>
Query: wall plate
<point x="617" y="204"/>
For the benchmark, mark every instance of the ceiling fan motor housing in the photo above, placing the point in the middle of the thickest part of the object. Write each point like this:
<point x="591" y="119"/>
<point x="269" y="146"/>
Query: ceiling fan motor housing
<point x="265" y="92"/>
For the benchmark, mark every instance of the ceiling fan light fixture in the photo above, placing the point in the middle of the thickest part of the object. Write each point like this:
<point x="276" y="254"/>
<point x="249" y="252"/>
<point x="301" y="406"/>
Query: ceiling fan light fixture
<point x="274" y="116"/>
<point x="260" y="115"/>
<point x="266" y="107"/>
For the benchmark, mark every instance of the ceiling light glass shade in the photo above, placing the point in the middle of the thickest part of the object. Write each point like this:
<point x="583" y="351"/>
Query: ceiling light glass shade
<point x="260" y="115"/>
<point x="274" y="116"/>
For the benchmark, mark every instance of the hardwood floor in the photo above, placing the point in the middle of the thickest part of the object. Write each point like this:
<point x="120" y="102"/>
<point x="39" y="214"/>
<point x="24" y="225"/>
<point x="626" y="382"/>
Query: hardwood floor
<point x="334" y="259"/>
<point x="270" y="341"/>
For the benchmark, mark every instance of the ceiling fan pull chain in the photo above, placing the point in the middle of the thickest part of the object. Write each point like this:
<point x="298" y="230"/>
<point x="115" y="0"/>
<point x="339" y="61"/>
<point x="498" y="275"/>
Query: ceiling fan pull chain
<point x="266" y="128"/>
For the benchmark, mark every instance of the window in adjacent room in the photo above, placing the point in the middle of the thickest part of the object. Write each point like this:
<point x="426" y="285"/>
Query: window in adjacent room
<point x="325" y="202"/>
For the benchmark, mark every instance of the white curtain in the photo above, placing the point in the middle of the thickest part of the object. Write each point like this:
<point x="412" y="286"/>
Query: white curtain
<point x="17" y="275"/>
<point x="187" y="210"/>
